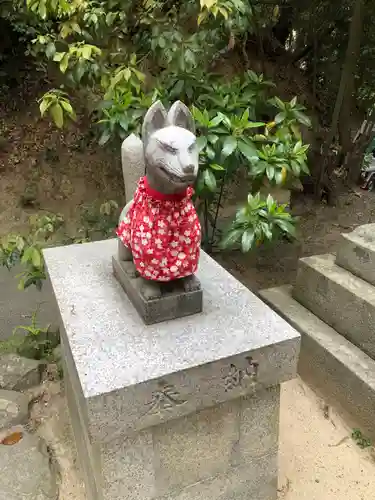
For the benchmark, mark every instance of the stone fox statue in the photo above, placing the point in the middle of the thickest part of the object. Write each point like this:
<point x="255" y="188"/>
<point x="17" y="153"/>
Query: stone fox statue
<point x="159" y="228"/>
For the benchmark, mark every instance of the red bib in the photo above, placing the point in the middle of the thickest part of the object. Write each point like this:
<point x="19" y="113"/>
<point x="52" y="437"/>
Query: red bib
<point x="163" y="233"/>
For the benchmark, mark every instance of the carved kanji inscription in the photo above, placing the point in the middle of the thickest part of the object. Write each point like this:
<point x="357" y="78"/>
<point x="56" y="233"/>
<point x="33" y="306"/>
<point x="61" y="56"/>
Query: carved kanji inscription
<point x="165" y="398"/>
<point x="236" y="376"/>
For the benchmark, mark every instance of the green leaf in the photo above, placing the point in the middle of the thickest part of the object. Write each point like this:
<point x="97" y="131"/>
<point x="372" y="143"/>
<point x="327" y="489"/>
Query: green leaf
<point x="201" y="142"/>
<point x="126" y="73"/>
<point x="198" y="115"/>
<point x="231" y="238"/>
<point x="225" y="120"/>
<point x="64" y="63"/>
<point x="179" y="87"/>
<point x="36" y="258"/>
<point x="50" y="50"/>
<point x="248" y="150"/>
<point x="44" y="105"/>
<point x="286" y="227"/>
<point x="215" y="121"/>
<point x="139" y="75"/>
<point x="279" y="103"/>
<point x="295" y="130"/>
<point x="27" y="255"/>
<point x="215" y="166"/>
<point x="293" y="102"/>
<point x="210" y="152"/>
<point x="270" y="170"/>
<point x="124" y="123"/>
<point x="68" y="108"/>
<point x="280" y="117"/>
<point x="278" y="176"/>
<point x="247" y="240"/>
<point x="212" y="138"/>
<point x="302" y="118"/>
<point x="58" y="56"/>
<point x="57" y="115"/>
<point x="296" y="169"/>
<point x="86" y="52"/>
<point x="230" y="144"/>
<point x="79" y="71"/>
<point x="297" y="147"/>
<point x="42" y="9"/>
<point x="267" y="231"/>
<point x="270" y="203"/>
<point x="305" y="169"/>
<point x="110" y="17"/>
<point x="245" y="115"/>
<point x="209" y="180"/>
<point x="104" y="138"/>
<point x="254" y="125"/>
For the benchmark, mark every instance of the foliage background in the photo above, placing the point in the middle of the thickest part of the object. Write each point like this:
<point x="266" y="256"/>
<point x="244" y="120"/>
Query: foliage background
<point x="118" y="57"/>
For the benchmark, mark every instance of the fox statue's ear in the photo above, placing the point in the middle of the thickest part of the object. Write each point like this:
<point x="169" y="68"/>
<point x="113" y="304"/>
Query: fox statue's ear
<point x="154" y="119"/>
<point x="180" y="116"/>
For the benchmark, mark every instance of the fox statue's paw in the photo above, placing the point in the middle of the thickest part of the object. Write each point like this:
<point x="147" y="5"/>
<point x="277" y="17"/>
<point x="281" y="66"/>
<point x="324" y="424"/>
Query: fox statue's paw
<point x="151" y="289"/>
<point x="124" y="253"/>
<point x="191" y="283"/>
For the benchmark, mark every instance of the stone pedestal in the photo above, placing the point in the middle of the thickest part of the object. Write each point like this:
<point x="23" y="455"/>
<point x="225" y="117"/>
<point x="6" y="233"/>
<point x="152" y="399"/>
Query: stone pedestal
<point x="187" y="409"/>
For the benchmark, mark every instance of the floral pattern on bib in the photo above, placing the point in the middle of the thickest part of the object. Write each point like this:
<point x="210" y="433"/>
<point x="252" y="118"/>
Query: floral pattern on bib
<point x="163" y="233"/>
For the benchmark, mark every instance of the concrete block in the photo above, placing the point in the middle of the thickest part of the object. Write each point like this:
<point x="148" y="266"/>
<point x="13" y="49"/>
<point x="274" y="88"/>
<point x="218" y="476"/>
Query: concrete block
<point x="259" y="424"/>
<point x="255" y="481"/>
<point x="174" y="302"/>
<point x="340" y="299"/>
<point x="88" y="458"/>
<point x="128" y="467"/>
<point x="342" y="373"/>
<point x="356" y="252"/>
<point x="182" y="380"/>
<point x="197" y="446"/>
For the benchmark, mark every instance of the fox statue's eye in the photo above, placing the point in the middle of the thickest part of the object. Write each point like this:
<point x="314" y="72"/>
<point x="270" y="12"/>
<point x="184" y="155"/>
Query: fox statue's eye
<point x="169" y="148"/>
<point x="192" y="147"/>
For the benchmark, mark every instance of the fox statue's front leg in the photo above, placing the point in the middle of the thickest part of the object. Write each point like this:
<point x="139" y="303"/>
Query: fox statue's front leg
<point x="191" y="283"/>
<point x="149" y="289"/>
<point x="124" y="253"/>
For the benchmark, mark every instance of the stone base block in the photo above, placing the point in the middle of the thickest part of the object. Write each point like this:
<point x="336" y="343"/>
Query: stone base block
<point x="175" y="302"/>
<point x="340" y="299"/>
<point x="337" y="369"/>
<point x="356" y="252"/>
<point x="225" y="452"/>
<point x="182" y="410"/>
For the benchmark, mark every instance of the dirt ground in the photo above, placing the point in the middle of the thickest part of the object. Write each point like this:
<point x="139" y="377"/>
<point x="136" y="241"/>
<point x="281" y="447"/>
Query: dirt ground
<point x="44" y="170"/>
<point x="318" y="460"/>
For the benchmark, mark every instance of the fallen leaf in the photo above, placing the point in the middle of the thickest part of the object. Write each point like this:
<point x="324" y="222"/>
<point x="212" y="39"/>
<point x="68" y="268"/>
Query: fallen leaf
<point x="12" y="439"/>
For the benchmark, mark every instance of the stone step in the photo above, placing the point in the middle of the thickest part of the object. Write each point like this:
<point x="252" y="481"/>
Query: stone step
<point x="356" y="252"/>
<point x="340" y="299"/>
<point x="337" y="369"/>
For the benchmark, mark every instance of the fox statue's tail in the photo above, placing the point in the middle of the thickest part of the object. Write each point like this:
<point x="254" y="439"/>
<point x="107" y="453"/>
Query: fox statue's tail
<point x="133" y="164"/>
